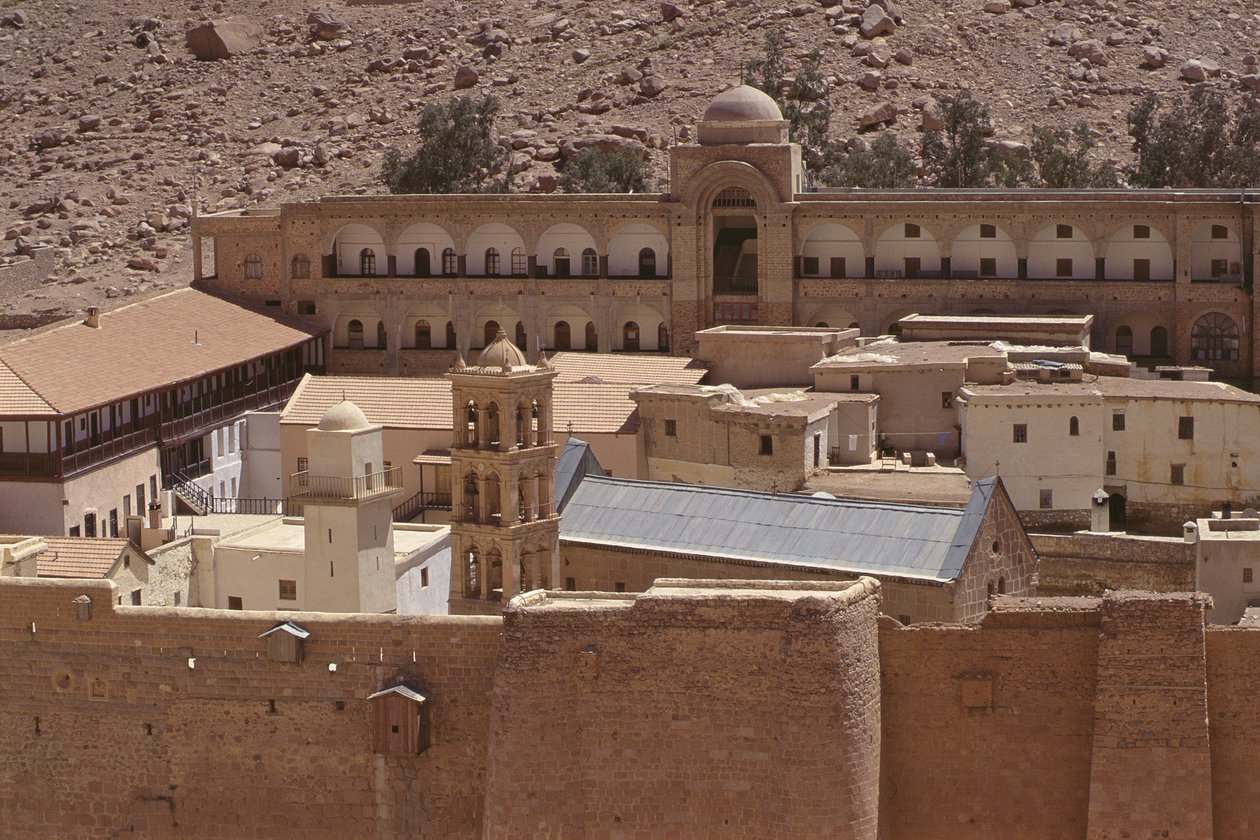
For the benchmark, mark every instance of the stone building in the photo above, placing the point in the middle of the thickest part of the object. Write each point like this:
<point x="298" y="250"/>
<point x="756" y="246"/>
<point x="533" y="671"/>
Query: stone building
<point x="738" y="238"/>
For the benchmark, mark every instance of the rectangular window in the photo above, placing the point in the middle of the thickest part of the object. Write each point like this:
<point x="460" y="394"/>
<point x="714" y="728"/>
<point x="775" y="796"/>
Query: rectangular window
<point x="234" y="602"/>
<point x="1062" y="231"/>
<point x="1142" y="270"/>
<point x="1117" y="421"/>
<point x="1220" y="232"/>
<point x="619" y="587"/>
<point x="1247" y="574"/>
<point x="113" y="522"/>
<point x="1177" y="474"/>
<point x="302" y="464"/>
<point x="913" y="231"/>
<point x="947" y="399"/>
<point x="809" y="265"/>
<point x="913" y="264"/>
<point x="1019" y="433"/>
<point x="988" y="267"/>
<point x="306" y="307"/>
<point x="854" y="381"/>
<point x="767" y="445"/>
<point x="1185" y="428"/>
<point x="837" y="267"/>
<point x="1111" y="463"/>
<point x="135" y="597"/>
<point x="1063" y="267"/>
<point x="89" y="524"/>
<point x="671" y="428"/>
<point x="1141" y="231"/>
<point x="1220" y="267"/>
<point x="1046" y="499"/>
<point x="570" y="584"/>
<point x="988" y="231"/>
<point x="178" y="598"/>
<point x="288" y="590"/>
<point x="74" y="530"/>
<point x="424" y="577"/>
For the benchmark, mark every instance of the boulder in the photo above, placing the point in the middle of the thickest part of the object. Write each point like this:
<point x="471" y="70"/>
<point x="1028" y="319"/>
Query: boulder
<point x="997" y="7"/>
<point x="1064" y="34"/>
<point x="1251" y="81"/>
<point x="669" y="12"/>
<point x="651" y="86"/>
<point x="892" y="7"/>
<point x="466" y="77"/>
<point x="571" y="147"/>
<point x="1199" y="70"/>
<point x="1091" y="50"/>
<point x="876" y="22"/>
<point x="90" y="122"/>
<point x="580" y="55"/>
<point x="220" y="39"/>
<point x="884" y="112"/>
<point x="326" y="25"/>
<point x="1154" y="57"/>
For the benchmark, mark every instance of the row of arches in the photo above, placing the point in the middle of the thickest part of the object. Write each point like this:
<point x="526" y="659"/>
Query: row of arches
<point x="423" y="336"/>
<point x="528" y="425"/>
<point x="483" y="572"/>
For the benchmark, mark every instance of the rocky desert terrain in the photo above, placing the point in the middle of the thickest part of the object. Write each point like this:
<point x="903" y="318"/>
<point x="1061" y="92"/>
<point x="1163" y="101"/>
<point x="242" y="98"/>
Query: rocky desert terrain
<point x="114" y="132"/>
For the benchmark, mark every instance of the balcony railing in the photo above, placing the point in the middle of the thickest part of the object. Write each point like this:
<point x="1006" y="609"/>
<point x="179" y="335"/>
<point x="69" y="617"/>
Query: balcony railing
<point x="308" y="488"/>
<point x="72" y="462"/>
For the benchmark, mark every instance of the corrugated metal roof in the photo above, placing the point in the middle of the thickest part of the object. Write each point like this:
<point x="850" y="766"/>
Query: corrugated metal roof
<point x="915" y="541"/>
<point x="576" y="461"/>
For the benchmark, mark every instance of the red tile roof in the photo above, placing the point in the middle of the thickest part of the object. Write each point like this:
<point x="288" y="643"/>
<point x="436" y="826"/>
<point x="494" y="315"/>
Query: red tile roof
<point x="78" y="557"/>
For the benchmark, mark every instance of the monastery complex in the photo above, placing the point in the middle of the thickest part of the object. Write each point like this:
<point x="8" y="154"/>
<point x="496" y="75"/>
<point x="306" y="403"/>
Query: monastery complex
<point x="739" y="510"/>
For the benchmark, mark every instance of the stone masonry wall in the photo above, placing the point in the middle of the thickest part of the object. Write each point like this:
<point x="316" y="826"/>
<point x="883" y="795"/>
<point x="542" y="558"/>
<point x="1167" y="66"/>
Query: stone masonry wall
<point x="1088" y="564"/>
<point x="175" y="724"/>
<point x="700" y="709"/>
<point x="1233" y="679"/>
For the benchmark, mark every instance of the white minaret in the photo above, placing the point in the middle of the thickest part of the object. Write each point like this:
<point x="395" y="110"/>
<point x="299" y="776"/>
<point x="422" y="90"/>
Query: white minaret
<point x="347" y="497"/>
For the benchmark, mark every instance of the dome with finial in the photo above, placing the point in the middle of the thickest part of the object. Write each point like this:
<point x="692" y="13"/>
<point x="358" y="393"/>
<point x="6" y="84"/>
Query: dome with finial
<point x="501" y="353"/>
<point x="345" y="416"/>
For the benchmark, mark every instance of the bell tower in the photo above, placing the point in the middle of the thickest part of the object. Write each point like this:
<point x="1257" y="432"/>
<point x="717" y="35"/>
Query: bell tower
<point x="505" y="531"/>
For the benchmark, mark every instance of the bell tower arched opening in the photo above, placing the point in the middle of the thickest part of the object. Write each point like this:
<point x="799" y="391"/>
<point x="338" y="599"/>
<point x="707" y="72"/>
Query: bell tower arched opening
<point x="734" y="242"/>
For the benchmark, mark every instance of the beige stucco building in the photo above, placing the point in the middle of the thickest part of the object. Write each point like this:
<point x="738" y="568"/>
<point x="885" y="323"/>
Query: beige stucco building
<point x="737" y="238"/>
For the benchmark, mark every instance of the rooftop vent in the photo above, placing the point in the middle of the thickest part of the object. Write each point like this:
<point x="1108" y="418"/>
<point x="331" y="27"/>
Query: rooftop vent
<point x="93" y="318"/>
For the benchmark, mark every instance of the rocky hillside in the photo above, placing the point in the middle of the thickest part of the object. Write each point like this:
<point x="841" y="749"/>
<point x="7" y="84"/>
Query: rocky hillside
<point x="113" y="130"/>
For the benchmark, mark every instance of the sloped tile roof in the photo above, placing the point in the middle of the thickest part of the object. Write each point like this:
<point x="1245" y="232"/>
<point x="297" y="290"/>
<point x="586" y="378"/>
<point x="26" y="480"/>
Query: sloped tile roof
<point x="628" y="368"/>
<point x="400" y="402"/>
<point x="78" y="557"/>
<point x="145" y="346"/>
<point x="18" y="398"/>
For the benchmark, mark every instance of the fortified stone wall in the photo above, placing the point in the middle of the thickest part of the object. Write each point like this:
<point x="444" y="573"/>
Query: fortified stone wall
<point x="20" y="277"/>
<point x="1088" y="564"/>
<point x="1233" y="681"/>
<point x="176" y="724"/>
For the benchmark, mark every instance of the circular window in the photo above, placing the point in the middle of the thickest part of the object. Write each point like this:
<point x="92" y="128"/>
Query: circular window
<point x="996" y="547"/>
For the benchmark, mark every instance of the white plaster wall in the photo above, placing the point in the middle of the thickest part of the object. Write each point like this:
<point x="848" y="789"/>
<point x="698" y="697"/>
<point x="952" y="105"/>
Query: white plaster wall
<point x="624" y="247"/>
<point x="969" y="248"/>
<point x="893" y="248"/>
<point x="1045" y="248"/>
<point x="1123" y="249"/>
<point x="421" y="235"/>
<point x="261" y="473"/>
<point x="414" y="598"/>
<point x="573" y="238"/>
<point x="350" y="241"/>
<point x="103" y="489"/>
<point x="493" y="235"/>
<point x="827" y="241"/>
<point x="1204" y="249"/>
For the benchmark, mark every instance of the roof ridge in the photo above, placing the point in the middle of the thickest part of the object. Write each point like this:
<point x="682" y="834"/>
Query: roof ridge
<point x="23" y="380"/>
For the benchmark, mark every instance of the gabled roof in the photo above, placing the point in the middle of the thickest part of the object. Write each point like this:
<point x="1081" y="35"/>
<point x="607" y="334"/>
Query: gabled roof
<point x="79" y="557"/>
<point x="402" y="691"/>
<point x="140" y="347"/>
<point x="576" y="461"/>
<point x="878" y="538"/>
<point x="287" y="627"/>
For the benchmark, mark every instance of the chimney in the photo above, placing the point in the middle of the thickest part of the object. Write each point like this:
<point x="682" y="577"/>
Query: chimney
<point x="1227" y="510"/>
<point x="93" y="318"/>
<point x="155" y="515"/>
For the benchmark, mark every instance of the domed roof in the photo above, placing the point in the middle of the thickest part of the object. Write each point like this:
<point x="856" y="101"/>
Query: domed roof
<point x="742" y="103"/>
<point x="501" y="353"/>
<point x="345" y="416"/>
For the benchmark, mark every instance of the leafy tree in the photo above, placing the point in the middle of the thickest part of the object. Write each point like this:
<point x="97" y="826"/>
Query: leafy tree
<point x="456" y="153"/>
<point x="767" y="72"/>
<point x="804" y="104"/>
<point x="961" y="155"/>
<point x="605" y="171"/>
<point x="1196" y="141"/>
<point x="1062" y="159"/>
<point x="886" y="164"/>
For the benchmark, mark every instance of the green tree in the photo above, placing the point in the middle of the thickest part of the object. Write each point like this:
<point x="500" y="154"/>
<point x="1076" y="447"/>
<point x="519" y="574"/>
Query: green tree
<point x="885" y="164"/>
<point x="1062" y="159"/>
<point x="961" y="155"/>
<point x="605" y="171"/>
<point x="804" y="103"/>
<point x="1195" y="141"/>
<point x="456" y="153"/>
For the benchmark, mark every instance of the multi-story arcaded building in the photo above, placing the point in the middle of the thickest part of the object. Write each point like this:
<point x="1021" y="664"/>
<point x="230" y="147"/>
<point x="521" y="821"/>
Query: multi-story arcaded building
<point x="738" y="238"/>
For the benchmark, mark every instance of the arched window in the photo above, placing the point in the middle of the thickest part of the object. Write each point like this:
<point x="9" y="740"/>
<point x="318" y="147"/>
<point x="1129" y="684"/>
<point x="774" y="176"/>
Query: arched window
<point x="354" y="334"/>
<point x="822" y="325"/>
<point x="1159" y="341"/>
<point x="520" y="334"/>
<point x="301" y="267"/>
<point x="563" y="340"/>
<point x="450" y="335"/>
<point x="380" y="335"/>
<point x="630" y="336"/>
<point x="662" y="338"/>
<point x="367" y="262"/>
<point x="1074" y="427"/>
<point x="472" y="580"/>
<point x="1124" y="340"/>
<point x="489" y="332"/>
<point x="520" y="263"/>
<point x="592" y="338"/>
<point x="492" y="262"/>
<point x="647" y="262"/>
<point x="1214" y="338"/>
<point x="1001" y="586"/>
<point x="734" y="197"/>
<point x="450" y="263"/>
<point x="424" y="335"/>
<point x="423" y="266"/>
<point x="561" y="258"/>
<point x="471" y="419"/>
<point x="590" y="263"/>
<point x="253" y="267"/>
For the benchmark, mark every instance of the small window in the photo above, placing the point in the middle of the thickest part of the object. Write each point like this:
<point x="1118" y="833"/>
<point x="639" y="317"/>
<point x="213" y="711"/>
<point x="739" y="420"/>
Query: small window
<point x="809" y="266"/>
<point x="253" y="267"/>
<point x="854" y="381"/>
<point x="288" y="590"/>
<point x="904" y="619"/>
<point x="234" y="602"/>
<point x="424" y="577"/>
<point x="619" y="586"/>
<point x="767" y="445"/>
<point x="913" y="231"/>
<point x="450" y="262"/>
<point x="570" y="584"/>
<point x="1177" y="474"/>
<point x="1046" y="499"/>
<point x="1185" y="428"/>
<point x="947" y="399"/>
<point x="74" y="530"/>
<point x="301" y="267"/>
<point x="1019" y="433"/>
<point x="1074" y="427"/>
<point x="1062" y="231"/>
<point x="1141" y="231"/>
<point x="306" y="307"/>
<point x="671" y="428"/>
<point x="1247" y="578"/>
<point x="1117" y="421"/>
<point x="136" y="597"/>
<point x="303" y="464"/>
<point x="1111" y="463"/>
<point x="1063" y="267"/>
<point x="988" y="267"/>
<point x="988" y="231"/>
<point x="367" y="262"/>
<point x="1220" y="232"/>
<point x="1219" y="267"/>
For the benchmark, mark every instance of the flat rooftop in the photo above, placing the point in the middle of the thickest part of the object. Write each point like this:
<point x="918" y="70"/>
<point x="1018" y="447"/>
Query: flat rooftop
<point x="1118" y="387"/>
<point x="288" y="535"/>
<point x="913" y="485"/>
<point x="893" y="353"/>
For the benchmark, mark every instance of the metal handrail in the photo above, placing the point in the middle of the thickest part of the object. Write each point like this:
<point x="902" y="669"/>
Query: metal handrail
<point x="343" y="487"/>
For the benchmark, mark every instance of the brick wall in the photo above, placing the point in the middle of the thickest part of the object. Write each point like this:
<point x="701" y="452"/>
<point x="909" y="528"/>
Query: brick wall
<point x="106" y="728"/>
<point x="20" y="277"/>
<point x="1233" y="679"/>
<point x="1088" y="564"/>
